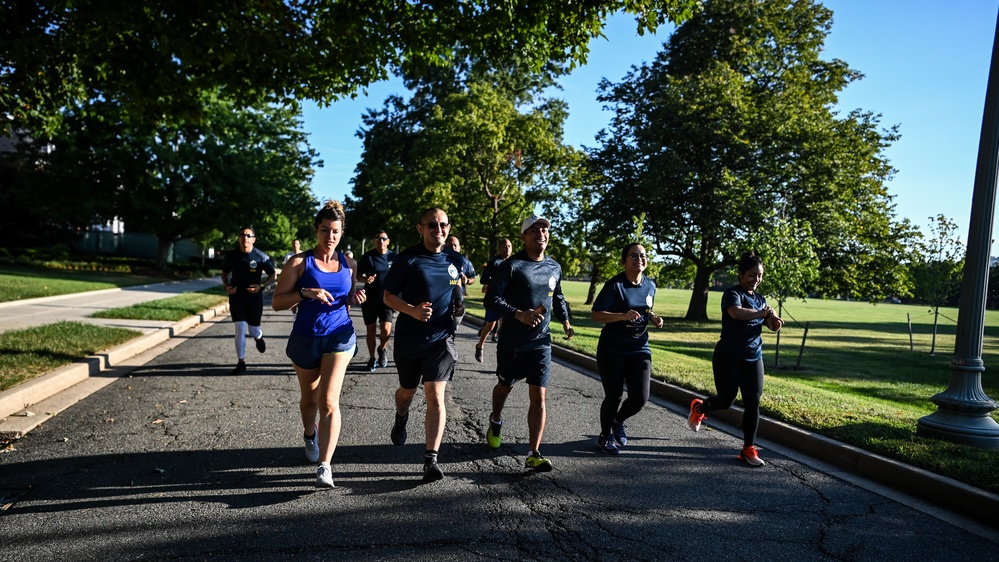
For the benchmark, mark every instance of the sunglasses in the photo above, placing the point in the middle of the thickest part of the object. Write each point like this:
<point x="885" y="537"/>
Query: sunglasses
<point x="247" y="236"/>
<point x="381" y="237"/>
<point x="637" y="257"/>
<point x="436" y="225"/>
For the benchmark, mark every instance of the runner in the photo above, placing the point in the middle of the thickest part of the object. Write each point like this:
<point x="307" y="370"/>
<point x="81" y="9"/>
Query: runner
<point x="526" y="290"/>
<point x="322" y="340"/>
<point x="624" y="307"/>
<point x="372" y="269"/>
<point x="503" y="250"/>
<point x="241" y="272"/>
<point x="424" y="285"/>
<point x="738" y="357"/>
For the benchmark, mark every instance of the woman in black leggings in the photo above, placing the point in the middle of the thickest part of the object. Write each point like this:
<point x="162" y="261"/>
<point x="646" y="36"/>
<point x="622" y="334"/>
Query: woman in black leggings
<point x="738" y="357"/>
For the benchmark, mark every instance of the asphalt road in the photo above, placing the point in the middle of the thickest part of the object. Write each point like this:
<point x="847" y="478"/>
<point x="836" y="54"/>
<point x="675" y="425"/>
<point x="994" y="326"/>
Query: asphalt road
<point x="179" y="460"/>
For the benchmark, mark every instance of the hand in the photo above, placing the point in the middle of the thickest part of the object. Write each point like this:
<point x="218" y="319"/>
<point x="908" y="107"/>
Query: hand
<point x="230" y="289"/>
<point x="657" y="321"/>
<point x="529" y="317"/>
<point x="422" y="311"/>
<point x="370" y="278"/>
<point x="632" y="316"/>
<point x="569" y="332"/>
<point x="358" y="297"/>
<point x="774" y="322"/>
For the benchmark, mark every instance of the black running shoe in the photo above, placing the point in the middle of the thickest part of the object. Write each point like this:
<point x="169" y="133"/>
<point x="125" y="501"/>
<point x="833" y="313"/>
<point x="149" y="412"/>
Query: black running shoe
<point x="432" y="472"/>
<point x="261" y="344"/>
<point x="239" y="369"/>
<point x="399" y="430"/>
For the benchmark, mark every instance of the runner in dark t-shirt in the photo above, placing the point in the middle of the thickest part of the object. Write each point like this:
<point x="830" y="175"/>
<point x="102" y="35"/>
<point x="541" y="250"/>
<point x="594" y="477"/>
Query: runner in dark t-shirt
<point x="242" y="270"/>
<point x="503" y="250"/>
<point x="526" y="291"/>
<point x="738" y="358"/>
<point x="624" y="307"/>
<point x="372" y="268"/>
<point x="424" y="285"/>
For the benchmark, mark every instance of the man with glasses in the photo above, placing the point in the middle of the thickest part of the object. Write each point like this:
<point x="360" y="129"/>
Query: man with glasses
<point x="424" y="285"/>
<point x="526" y="291"/>
<point x="372" y="268"/>
<point x="241" y="272"/>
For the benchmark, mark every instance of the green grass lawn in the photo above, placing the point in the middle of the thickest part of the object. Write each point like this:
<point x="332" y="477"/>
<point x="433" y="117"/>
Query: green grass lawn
<point x="28" y="282"/>
<point x="858" y="383"/>
<point x="170" y="309"/>
<point x="27" y="353"/>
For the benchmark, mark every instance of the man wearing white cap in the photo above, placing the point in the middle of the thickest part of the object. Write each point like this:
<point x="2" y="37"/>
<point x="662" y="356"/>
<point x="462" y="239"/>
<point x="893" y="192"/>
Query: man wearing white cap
<point x="526" y="290"/>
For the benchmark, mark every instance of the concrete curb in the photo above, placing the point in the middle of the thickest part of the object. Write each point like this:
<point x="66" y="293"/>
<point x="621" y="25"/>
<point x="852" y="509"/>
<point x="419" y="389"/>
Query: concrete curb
<point x="942" y="491"/>
<point x="16" y="401"/>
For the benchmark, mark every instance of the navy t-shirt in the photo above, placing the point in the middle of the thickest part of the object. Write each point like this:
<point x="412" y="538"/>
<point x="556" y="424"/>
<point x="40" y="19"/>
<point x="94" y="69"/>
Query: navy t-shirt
<point x="741" y="338"/>
<point x="521" y="283"/>
<point x="246" y="268"/>
<point x="374" y="263"/>
<point x="490" y="269"/>
<point x="419" y="275"/>
<point x="621" y="295"/>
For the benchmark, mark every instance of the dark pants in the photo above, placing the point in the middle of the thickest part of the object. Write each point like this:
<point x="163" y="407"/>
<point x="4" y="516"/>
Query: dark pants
<point x="615" y="371"/>
<point x="732" y="375"/>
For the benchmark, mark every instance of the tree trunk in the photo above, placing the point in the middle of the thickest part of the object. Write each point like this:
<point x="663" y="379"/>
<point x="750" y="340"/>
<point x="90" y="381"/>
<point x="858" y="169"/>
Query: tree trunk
<point x="697" y="309"/>
<point x="591" y="294"/>
<point x="163" y="247"/>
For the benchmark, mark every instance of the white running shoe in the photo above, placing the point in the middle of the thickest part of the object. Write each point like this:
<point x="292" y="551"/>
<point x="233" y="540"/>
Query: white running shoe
<point x="324" y="476"/>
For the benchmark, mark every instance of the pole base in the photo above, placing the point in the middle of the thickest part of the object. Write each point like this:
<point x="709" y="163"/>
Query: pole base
<point x="977" y="431"/>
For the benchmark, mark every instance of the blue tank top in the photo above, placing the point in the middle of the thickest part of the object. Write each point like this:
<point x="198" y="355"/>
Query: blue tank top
<point x="316" y="318"/>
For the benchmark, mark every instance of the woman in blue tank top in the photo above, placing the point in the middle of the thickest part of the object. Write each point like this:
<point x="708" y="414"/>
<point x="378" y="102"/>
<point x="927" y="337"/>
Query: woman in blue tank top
<point x="322" y="341"/>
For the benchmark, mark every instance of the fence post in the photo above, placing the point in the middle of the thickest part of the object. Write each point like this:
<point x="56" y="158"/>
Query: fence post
<point x="802" y="350"/>
<point x="908" y="318"/>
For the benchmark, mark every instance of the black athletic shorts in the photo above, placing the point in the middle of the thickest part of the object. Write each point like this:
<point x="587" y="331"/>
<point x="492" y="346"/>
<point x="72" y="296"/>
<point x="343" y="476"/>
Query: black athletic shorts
<point x="432" y="362"/>
<point x="377" y="312"/>
<point x="533" y="365"/>
<point x="246" y="307"/>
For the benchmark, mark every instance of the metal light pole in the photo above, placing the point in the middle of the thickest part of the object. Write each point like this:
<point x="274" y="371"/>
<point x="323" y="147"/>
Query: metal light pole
<point x="963" y="409"/>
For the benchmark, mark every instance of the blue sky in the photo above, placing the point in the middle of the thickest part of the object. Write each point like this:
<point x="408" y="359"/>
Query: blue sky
<point x="926" y="66"/>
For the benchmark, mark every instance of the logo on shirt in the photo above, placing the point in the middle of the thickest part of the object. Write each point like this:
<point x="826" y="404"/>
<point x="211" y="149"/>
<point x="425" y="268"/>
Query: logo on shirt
<point x="452" y="271"/>
<point x="648" y="301"/>
<point x="551" y="283"/>
<point x="253" y="264"/>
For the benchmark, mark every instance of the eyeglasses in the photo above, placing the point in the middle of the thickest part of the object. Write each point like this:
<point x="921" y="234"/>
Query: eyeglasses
<point x="638" y="257"/>
<point x="436" y="225"/>
<point x="381" y="237"/>
<point x="247" y="236"/>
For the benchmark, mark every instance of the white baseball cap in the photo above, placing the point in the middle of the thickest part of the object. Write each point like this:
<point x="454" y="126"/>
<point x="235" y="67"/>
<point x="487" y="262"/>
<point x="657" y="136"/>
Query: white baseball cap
<point x="533" y="220"/>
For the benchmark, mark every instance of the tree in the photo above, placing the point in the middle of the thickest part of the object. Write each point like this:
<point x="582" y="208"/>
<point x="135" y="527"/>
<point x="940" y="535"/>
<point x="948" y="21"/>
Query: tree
<point x="735" y="118"/>
<point x="475" y="141"/>
<point x="178" y="179"/>
<point x="938" y="267"/>
<point x="157" y="56"/>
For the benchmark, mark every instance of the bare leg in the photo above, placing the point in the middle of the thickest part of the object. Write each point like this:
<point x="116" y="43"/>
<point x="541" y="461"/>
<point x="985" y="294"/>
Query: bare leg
<point x="436" y="413"/>
<point x="536" y="416"/>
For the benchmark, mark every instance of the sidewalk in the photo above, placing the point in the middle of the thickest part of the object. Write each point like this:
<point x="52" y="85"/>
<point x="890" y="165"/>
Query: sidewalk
<point x="48" y="396"/>
<point x="27" y="313"/>
<point x="30" y="404"/>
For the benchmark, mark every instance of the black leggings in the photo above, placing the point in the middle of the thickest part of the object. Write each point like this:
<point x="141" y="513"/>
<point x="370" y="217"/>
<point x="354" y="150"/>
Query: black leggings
<point x="731" y="375"/>
<point x="615" y="371"/>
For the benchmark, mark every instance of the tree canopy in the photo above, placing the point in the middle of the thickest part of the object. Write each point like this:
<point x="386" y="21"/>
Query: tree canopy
<point x="475" y="141"/>
<point x="157" y="56"/>
<point x="735" y="118"/>
<point x="232" y="167"/>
